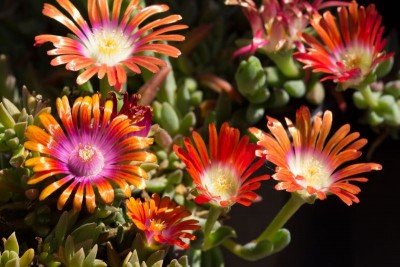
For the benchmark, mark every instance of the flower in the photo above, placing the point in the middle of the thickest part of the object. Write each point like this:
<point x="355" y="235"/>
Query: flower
<point x="311" y="167"/>
<point x="222" y="176"/>
<point x="275" y="23"/>
<point x="138" y="114"/>
<point x="94" y="151"/>
<point x="162" y="220"/>
<point x="350" y="49"/>
<point x="113" y="42"/>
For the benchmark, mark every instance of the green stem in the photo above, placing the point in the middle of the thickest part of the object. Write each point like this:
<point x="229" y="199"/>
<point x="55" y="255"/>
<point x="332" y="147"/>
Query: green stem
<point x="232" y="246"/>
<point x="369" y="98"/>
<point x="286" y="64"/>
<point x="287" y="211"/>
<point x="105" y="88"/>
<point x="213" y="215"/>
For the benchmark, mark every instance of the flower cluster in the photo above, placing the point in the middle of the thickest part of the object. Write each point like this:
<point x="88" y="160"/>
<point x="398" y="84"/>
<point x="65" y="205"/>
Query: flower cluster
<point x="146" y="163"/>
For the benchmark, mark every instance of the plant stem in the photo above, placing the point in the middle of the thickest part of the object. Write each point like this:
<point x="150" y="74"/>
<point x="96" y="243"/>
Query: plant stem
<point x="232" y="246"/>
<point x="213" y="215"/>
<point x="286" y="64"/>
<point x="369" y="98"/>
<point x="287" y="211"/>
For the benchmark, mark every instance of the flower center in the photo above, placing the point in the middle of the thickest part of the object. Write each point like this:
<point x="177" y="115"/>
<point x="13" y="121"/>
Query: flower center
<point x="357" y="58"/>
<point x="221" y="181"/>
<point x="109" y="47"/>
<point x="157" y="225"/>
<point x="314" y="172"/>
<point x="85" y="160"/>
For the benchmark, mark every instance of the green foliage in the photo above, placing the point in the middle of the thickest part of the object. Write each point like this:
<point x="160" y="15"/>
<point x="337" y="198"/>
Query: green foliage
<point x="10" y="255"/>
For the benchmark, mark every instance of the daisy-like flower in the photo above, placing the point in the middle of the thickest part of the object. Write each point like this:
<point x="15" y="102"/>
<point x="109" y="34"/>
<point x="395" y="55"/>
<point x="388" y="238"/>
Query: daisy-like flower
<point x="222" y="176"/>
<point x="313" y="166"/>
<point x="91" y="155"/>
<point x="275" y="23"/>
<point x="113" y="42"/>
<point x="351" y="47"/>
<point x="162" y="221"/>
<point x="138" y="114"/>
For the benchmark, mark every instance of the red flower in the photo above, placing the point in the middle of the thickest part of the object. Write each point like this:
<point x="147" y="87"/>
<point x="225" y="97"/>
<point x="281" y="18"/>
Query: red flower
<point x="162" y="220"/>
<point x="351" y="47"/>
<point x="222" y="176"/>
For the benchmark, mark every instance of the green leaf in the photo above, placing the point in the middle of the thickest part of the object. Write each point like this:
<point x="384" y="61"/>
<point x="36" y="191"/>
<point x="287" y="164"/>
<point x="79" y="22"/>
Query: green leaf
<point x="155" y="258"/>
<point x="183" y="99"/>
<point x="175" y="177"/>
<point x="281" y="239"/>
<point x="295" y="88"/>
<point x="89" y="231"/>
<point x="26" y="258"/>
<point x="69" y="249"/>
<point x="12" y="263"/>
<point x="77" y="259"/>
<point x="218" y="236"/>
<point x="11" y="243"/>
<point x="5" y="118"/>
<point x="11" y="108"/>
<point x="184" y="261"/>
<point x="156" y="185"/>
<point x="254" y="251"/>
<point x="254" y="113"/>
<point x="169" y="119"/>
<point x="89" y="260"/>
<point x="4" y="257"/>
<point x="187" y="123"/>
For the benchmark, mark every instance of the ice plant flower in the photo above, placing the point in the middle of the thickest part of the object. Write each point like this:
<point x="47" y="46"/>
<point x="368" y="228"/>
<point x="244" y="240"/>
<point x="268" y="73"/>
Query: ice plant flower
<point x="91" y="152"/>
<point x="138" y="114"/>
<point x="350" y="48"/>
<point x="313" y="166"/>
<point x="113" y="42"/>
<point x="276" y="23"/>
<point x="222" y="176"/>
<point x="162" y="221"/>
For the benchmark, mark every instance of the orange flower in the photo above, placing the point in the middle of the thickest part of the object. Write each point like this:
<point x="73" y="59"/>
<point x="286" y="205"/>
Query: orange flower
<point x="113" y="42"/>
<point x="351" y="48"/>
<point x="222" y="177"/>
<point x="162" y="220"/>
<point x="311" y="166"/>
<point x="94" y="151"/>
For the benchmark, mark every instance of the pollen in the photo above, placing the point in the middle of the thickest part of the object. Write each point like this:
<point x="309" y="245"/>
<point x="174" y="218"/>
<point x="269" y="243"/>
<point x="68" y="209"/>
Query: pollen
<point x="109" y="46"/>
<point x="222" y="181"/>
<point x="86" y="153"/>
<point x="357" y="58"/>
<point x="157" y="226"/>
<point x="315" y="173"/>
